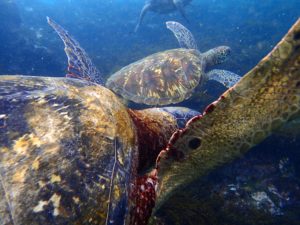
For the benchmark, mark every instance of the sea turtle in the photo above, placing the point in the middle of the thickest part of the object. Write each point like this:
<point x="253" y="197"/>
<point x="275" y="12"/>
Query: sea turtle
<point x="159" y="79"/>
<point x="171" y="76"/>
<point x="69" y="149"/>
<point x="161" y="7"/>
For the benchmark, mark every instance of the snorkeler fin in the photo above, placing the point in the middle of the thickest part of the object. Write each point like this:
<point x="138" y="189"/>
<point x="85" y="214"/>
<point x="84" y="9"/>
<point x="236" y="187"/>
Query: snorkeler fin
<point x="142" y="15"/>
<point x="180" y="8"/>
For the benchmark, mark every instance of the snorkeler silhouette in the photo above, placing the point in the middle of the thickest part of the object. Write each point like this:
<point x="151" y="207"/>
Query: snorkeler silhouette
<point x="162" y="7"/>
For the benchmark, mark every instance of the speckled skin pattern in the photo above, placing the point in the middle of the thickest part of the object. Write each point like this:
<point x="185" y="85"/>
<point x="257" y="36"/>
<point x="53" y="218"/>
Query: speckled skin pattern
<point x="66" y="153"/>
<point x="265" y="99"/>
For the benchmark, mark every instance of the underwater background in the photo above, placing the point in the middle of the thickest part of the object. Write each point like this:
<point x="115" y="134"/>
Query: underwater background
<point x="263" y="187"/>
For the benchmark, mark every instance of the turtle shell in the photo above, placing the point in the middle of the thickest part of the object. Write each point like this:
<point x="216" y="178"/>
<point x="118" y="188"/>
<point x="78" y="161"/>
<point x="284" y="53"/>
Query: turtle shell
<point x="159" y="79"/>
<point x="67" y="155"/>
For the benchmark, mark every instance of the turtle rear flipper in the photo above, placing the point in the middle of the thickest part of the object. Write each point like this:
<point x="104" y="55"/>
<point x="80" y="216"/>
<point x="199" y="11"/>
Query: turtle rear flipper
<point x="262" y="101"/>
<point x="79" y="64"/>
<point x="183" y="35"/>
<point x="225" y="77"/>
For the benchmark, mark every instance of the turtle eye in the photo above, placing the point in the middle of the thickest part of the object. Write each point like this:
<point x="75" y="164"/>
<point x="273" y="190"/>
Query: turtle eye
<point x="194" y="143"/>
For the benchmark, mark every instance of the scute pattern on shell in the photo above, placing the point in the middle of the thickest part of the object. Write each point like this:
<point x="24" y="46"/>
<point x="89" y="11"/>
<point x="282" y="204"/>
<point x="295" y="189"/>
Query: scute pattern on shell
<point x="66" y="153"/>
<point x="159" y="79"/>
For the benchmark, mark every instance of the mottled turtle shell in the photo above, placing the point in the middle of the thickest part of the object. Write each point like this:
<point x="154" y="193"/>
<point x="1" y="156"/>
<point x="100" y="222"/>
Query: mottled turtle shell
<point x="66" y="153"/>
<point x="159" y="79"/>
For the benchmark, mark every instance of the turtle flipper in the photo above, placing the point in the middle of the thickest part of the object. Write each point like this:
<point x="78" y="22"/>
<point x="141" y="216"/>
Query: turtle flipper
<point x="79" y="64"/>
<point x="142" y="15"/>
<point x="262" y="101"/>
<point x="183" y="35"/>
<point x="225" y="77"/>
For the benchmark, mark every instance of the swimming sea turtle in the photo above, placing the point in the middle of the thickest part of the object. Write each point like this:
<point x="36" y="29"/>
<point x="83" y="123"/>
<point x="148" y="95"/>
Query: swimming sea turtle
<point x="69" y="148"/>
<point x="162" y="6"/>
<point x="171" y="76"/>
<point x="159" y="79"/>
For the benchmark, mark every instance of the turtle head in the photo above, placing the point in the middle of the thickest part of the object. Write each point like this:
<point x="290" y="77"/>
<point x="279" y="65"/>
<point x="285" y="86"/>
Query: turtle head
<point x="222" y="53"/>
<point x="217" y="55"/>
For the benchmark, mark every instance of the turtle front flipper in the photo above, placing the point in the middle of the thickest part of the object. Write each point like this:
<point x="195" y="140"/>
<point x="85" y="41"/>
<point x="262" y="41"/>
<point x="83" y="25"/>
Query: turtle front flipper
<point x="184" y="37"/>
<point x="265" y="99"/>
<point x="225" y="77"/>
<point x="79" y="64"/>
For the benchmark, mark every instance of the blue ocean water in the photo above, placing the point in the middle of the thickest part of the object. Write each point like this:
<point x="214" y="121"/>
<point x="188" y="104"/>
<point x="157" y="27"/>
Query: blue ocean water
<point x="261" y="188"/>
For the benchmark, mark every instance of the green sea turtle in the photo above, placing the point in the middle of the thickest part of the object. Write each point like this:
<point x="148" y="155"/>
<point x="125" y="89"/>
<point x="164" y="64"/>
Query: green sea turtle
<point x="159" y="79"/>
<point x="171" y="76"/>
<point x="162" y="6"/>
<point x="70" y="150"/>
